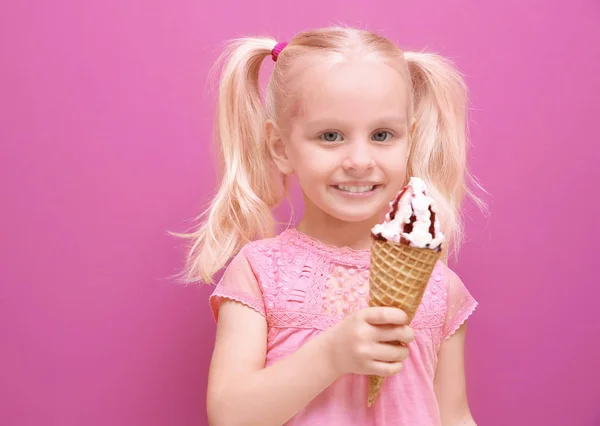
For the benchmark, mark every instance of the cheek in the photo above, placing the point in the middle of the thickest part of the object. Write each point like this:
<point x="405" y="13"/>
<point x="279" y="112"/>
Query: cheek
<point x="311" y="163"/>
<point x="394" y="161"/>
<point x="313" y="169"/>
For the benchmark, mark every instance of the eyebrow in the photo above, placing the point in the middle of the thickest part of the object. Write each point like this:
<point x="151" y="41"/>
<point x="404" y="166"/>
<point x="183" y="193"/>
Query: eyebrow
<point x="327" y="122"/>
<point x="393" y="120"/>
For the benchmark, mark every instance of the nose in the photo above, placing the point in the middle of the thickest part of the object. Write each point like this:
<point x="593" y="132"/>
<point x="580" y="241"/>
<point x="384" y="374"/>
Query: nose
<point x="358" y="158"/>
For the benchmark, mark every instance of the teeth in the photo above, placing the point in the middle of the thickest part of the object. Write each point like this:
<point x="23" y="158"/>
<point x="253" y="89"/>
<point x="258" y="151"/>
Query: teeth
<point x="356" y="189"/>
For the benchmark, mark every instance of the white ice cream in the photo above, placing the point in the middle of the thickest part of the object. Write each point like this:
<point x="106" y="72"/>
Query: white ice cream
<point x="413" y="200"/>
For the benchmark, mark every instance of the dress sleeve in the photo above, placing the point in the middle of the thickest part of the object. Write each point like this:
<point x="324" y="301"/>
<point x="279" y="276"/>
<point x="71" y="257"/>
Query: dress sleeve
<point x="238" y="283"/>
<point x="461" y="303"/>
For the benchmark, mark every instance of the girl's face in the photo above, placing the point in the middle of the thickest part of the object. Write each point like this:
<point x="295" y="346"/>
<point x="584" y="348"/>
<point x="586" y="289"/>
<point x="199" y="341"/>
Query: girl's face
<point x="348" y="141"/>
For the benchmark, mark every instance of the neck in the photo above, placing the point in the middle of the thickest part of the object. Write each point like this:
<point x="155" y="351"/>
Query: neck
<point x="331" y="231"/>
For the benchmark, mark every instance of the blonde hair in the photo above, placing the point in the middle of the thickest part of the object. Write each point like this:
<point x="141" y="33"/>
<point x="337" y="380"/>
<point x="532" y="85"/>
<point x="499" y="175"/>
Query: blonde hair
<point x="251" y="186"/>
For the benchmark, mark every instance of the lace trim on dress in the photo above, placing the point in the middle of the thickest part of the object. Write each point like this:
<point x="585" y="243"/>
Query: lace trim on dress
<point x="460" y="318"/>
<point x="299" y="319"/>
<point x="240" y="297"/>
<point x="341" y="255"/>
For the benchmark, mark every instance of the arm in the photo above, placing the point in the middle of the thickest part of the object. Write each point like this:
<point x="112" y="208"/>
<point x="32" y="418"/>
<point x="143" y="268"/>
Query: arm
<point x="450" y="384"/>
<point x="241" y="391"/>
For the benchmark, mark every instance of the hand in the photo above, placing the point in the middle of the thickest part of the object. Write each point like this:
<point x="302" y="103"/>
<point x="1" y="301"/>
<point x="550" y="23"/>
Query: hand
<point x="371" y="341"/>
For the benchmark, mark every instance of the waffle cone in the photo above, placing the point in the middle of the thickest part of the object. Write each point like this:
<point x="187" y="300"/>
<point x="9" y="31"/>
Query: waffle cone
<point x="398" y="277"/>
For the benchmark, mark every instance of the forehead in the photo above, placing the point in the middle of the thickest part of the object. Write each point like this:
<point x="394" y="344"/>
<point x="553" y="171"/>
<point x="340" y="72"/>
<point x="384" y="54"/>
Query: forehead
<point x="353" y="90"/>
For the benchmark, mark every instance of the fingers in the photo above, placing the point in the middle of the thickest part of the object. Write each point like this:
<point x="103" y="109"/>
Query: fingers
<point x="384" y="352"/>
<point x="403" y="334"/>
<point x="385" y="369"/>
<point x="388" y="359"/>
<point x="384" y="315"/>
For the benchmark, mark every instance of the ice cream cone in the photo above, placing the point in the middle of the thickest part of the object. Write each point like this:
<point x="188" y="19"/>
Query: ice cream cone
<point x="404" y="250"/>
<point x="398" y="277"/>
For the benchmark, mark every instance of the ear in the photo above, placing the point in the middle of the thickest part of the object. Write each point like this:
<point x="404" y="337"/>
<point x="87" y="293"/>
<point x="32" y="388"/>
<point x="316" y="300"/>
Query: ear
<point x="277" y="148"/>
<point x="411" y="135"/>
<point x="413" y="128"/>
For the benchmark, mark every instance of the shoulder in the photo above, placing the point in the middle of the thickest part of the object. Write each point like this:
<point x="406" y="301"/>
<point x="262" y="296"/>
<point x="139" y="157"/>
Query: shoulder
<point x="449" y="276"/>
<point x="461" y="302"/>
<point x="264" y="245"/>
<point x="249" y="260"/>
<point x="261" y="256"/>
<point x="240" y="282"/>
<point x="446" y="303"/>
<point x="448" y="285"/>
<point x="268" y="249"/>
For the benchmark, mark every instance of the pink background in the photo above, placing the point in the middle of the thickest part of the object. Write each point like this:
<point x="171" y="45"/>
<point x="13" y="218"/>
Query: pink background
<point x="105" y="126"/>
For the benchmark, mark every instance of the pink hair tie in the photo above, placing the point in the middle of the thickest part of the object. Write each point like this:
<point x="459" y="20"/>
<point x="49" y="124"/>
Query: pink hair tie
<point x="277" y="50"/>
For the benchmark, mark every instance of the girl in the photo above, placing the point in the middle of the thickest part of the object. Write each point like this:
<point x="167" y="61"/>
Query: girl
<point x="352" y="117"/>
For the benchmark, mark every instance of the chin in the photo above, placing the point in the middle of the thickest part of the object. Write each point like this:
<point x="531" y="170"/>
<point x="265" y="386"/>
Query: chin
<point x="353" y="217"/>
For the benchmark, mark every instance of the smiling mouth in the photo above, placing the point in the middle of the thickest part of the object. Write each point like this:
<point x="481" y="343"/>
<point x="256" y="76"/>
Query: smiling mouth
<point x="356" y="189"/>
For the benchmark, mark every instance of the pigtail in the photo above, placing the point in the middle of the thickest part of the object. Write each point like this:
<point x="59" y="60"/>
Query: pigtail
<point x="438" y="152"/>
<point x="241" y="209"/>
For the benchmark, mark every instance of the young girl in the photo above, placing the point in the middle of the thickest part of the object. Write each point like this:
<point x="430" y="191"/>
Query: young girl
<point x="352" y="117"/>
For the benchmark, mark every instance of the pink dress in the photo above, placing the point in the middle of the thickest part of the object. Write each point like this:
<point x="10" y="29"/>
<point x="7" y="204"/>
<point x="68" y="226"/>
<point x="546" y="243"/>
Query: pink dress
<point x="303" y="286"/>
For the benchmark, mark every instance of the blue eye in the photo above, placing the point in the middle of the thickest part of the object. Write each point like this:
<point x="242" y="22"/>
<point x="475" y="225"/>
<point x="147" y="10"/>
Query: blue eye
<point x="331" y="137"/>
<point x="382" y="136"/>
